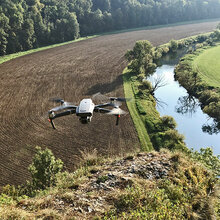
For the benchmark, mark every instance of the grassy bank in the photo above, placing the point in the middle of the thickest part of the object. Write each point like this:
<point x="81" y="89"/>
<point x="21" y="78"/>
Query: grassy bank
<point x="207" y="64"/>
<point x="198" y="73"/>
<point x="143" y="136"/>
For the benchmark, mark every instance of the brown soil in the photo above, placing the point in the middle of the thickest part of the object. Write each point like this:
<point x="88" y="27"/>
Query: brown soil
<point x="73" y="72"/>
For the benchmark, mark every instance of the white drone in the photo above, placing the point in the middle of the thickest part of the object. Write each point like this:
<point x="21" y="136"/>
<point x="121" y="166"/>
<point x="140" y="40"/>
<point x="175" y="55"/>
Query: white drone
<point x="85" y="109"/>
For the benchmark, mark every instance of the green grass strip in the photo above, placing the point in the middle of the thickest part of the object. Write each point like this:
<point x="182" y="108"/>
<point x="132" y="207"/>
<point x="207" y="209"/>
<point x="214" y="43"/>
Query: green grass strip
<point x="208" y="66"/>
<point x="143" y="136"/>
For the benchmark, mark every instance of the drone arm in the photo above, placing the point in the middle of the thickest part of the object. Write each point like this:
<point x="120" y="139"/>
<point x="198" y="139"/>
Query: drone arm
<point x="53" y="115"/>
<point x="104" y="105"/>
<point x="102" y="110"/>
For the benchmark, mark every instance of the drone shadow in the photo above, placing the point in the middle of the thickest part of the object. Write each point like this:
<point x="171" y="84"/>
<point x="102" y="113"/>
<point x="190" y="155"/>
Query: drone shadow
<point x="105" y="87"/>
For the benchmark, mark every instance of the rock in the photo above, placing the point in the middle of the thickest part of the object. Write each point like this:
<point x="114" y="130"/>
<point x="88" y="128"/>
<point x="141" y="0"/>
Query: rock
<point x="93" y="171"/>
<point x="90" y="209"/>
<point x="129" y="158"/>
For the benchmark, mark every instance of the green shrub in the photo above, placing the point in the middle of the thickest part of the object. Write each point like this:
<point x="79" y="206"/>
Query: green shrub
<point x="140" y="108"/>
<point x="208" y="96"/>
<point x="173" y="45"/>
<point x="44" y="168"/>
<point x="201" y="38"/>
<point x="168" y="121"/>
<point x="206" y="157"/>
<point x="146" y="85"/>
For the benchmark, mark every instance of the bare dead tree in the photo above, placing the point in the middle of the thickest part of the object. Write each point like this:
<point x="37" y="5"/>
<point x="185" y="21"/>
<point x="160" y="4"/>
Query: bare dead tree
<point x="157" y="82"/>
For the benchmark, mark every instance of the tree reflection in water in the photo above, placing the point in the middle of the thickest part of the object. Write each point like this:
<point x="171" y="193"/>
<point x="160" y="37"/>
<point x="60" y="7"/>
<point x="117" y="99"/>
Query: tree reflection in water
<point x="213" y="128"/>
<point x="188" y="105"/>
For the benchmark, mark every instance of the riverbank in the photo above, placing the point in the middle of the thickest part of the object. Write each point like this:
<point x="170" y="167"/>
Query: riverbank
<point x="207" y="64"/>
<point x="143" y="59"/>
<point x="201" y="78"/>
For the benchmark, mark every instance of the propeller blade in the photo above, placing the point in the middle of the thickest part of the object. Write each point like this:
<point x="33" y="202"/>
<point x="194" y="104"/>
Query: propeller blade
<point x="100" y="97"/>
<point x="57" y="100"/>
<point x="119" y="99"/>
<point x="117" y="111"/>
<point x="63" y="107"/>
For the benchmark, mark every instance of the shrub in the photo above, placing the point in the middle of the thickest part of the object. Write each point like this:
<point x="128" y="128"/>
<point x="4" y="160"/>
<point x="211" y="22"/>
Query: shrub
<point x="208" y="96"/>
<point x="146" y="85"/>
<point x="173" y="45"/>
<point x="201" y="38"/>
<point x="44" y="168"/>
<point x="140" y="108"/>
<point x="206" y="157"/>
<point x="168" y="121"/>
<point x="141" y="76"/>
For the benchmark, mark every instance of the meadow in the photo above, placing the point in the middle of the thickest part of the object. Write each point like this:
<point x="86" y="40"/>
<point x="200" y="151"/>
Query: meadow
<point x="208" y="66"/>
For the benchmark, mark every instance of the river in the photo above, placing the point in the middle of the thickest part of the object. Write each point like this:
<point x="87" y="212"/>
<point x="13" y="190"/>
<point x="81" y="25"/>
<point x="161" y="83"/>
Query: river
<point x="175" y="101"/>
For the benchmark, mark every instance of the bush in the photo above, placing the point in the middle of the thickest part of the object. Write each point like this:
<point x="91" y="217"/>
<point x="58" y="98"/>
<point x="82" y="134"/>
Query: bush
<point x="206" y="157"/>
<point x="168" y="121"/>
<point x="201" y="38"/>
<point x="208" y="96"/>
<point x="140" y="108"/>
<point x="146" y="85"/>
<point x="173" y="45"/>
<point x="44" y="169"/>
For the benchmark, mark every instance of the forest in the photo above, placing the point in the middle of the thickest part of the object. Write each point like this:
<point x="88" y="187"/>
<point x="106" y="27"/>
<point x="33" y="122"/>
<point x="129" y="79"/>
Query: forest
<point x="27" y="24"/>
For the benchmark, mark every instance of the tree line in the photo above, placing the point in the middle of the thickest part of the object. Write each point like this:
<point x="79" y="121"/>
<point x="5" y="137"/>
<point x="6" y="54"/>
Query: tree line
<point x="27" y="24"/>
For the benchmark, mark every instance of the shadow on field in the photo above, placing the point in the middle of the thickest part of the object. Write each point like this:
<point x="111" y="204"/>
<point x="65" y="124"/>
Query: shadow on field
<point x="105" y="87"/>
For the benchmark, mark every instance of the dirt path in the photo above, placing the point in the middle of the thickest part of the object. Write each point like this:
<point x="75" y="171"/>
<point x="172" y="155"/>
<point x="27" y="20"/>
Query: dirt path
<point x="73" y="72"/>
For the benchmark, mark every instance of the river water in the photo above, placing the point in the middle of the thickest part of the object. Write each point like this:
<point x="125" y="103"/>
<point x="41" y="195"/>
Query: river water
<point x="175" y="101"/>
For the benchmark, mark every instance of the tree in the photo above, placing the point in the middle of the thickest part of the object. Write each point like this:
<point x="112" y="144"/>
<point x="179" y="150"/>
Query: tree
<point x="27" y="37"/>
<point x="141" y="58"/>
<point x="4" y="21"/>
<point x="103" y="5"/>
<point x="44" y="168"/>
<point x="173" y="46"/>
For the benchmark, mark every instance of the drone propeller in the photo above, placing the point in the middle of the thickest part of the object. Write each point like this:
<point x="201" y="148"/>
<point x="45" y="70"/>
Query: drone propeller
<point x="61" y="101"/>
<point x="117" y="112"/>
<point x="119" y="99"/>
<point x="57" y="100"/>
<point x="116" y="101"/>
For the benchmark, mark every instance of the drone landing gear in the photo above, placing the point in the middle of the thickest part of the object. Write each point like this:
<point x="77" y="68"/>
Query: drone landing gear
<point x="51" y="121"/>
<point x="117" y="120"/>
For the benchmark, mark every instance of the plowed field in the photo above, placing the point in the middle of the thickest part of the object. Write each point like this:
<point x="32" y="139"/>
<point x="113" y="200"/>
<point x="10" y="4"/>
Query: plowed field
<point x="73" y="72"/>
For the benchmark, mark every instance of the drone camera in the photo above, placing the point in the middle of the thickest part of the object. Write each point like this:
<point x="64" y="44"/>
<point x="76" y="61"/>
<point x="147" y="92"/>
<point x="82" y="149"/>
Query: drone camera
<point x="85" y="120"/>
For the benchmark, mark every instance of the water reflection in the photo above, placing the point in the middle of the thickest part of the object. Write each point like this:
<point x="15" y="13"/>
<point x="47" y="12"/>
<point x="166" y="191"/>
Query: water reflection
<point x="187" y="105"/>
<point x="195" y="125"/>
<point x="213" y="128"/>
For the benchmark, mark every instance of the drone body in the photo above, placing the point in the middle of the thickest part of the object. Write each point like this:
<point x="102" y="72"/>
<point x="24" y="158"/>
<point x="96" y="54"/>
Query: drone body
<point x="85" y="109"/>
